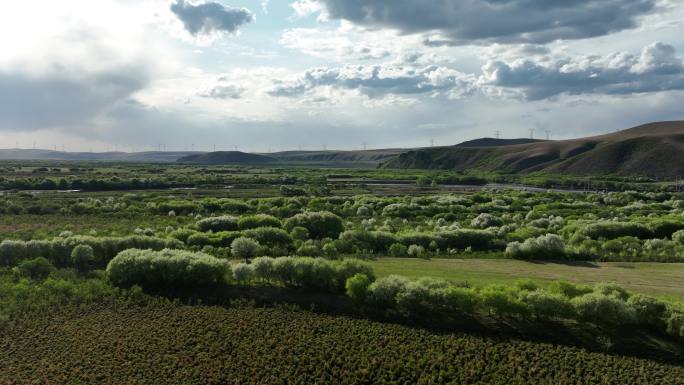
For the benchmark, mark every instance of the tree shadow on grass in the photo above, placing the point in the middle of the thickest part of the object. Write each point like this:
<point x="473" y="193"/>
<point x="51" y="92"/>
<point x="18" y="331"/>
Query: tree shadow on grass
<point x="628" y="341"/>
<point x="565" y="262"/>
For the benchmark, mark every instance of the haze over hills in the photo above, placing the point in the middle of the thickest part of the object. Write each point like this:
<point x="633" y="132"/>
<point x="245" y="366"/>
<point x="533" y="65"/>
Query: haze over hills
<point x="655" y="149"/>
<point x="227" y="157"/>
<point x="143" y="157"/>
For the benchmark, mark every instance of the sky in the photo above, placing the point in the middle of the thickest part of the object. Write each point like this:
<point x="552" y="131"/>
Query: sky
<point x="261" y="76"/>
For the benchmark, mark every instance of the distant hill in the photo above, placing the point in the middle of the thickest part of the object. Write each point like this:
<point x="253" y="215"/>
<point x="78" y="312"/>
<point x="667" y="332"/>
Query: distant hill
<point x="655" y="150"/>
<point x="367" y="156"/>
<point x="227" y="157"/>
<point x="492" y="142"/>
<point x="142" y="157"/>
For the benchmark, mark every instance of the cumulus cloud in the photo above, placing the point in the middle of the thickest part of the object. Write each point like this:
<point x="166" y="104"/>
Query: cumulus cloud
<point x="333" y="44"/>
<point x="224" y="91"/>
<point x="456" y="22"/>
<point x="657" y="68"/>
<point x="379" y="80"/>
<point x="209" y="18"/>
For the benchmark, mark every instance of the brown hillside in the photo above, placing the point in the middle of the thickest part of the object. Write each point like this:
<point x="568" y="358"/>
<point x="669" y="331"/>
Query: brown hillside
<point x="655" y="150"/>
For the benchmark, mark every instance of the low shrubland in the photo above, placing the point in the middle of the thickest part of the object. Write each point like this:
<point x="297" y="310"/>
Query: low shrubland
<point x="604" y="305"/>
<point x="59" y="251"/>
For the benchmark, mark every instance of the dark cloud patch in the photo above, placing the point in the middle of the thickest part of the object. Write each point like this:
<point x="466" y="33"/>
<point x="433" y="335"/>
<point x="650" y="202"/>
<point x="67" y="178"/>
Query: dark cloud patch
<point x="456" y="22"/>
<point x="378" y="80"/>
<point x="656" y="69"/>
<point x="208" y="18"/>
<point x="31" y="102"/>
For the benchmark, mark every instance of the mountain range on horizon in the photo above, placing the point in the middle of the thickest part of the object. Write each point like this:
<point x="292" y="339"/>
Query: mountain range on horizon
<point x="654" y="149"/>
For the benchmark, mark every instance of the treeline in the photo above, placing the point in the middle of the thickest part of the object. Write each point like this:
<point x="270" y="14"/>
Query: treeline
<point x="159" y="270"/>
<point x="606" y="305"/>
<point x="60" y="251"/>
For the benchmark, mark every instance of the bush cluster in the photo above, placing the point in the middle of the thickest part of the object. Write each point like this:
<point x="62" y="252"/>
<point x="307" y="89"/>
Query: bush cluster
<point x="549" y="246"/>
<point x="165" y="269"/>
<point x="306" y="272"/>
<point x="606" y="305"/>
<point x="320" y="225"/>
<point x="59" y="251"/>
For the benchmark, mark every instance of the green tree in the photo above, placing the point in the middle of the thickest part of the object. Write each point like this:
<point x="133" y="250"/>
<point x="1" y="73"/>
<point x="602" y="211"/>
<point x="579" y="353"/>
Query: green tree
<point x="245" y="248"/>
<point x="83" y="258"/>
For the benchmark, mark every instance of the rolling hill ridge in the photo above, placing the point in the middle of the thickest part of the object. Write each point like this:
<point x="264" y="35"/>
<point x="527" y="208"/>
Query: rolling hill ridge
<point x="655" y="150"/>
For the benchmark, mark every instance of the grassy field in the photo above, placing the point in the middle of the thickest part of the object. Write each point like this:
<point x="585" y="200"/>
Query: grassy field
<point x="662" y="280"/>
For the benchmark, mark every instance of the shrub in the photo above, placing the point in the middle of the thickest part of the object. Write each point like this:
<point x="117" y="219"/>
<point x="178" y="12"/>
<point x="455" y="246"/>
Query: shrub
<point x="308" y="249"/>
<point x="416" y="251"/>
<point x="568" y="290"/>
<point x="678" y="237"/>
<point x="320" y="224"/>
<point x="348" y="268"/>
<point x="83" y="258"/>
<point x="665" y="227"/>
<point x="299" y="233"/>
<point x="215" y="224"/>
<point x="613" y="290"/>
<point x="357" y="287"/>
<point x="547" y="246"/>
<point x="182" y="234"/>
<point x="220" y="239"/>
<point x="244" y="248"/>
<point x="458" y="299"/>
<point x="648" y="310"/>
<point x="612" y="230"/>
<point x="502" y="301"/>
<point x="330" y="250"/>
<point x="166" y="269"/>
<point x="420" y="239"/>
<point x="37" y="268"/>
<point x="259" y="220"/>
<point x="547" y="305"/>
<point x="464" y="238"/>
<point x="263" y="268"/>
<point x="243" y="272"/>
<point x="284" y="270"/>
<point x="603" y="309"/>
<point x="269" y="236"/>
<point x="316" y="273"/>
<point x="12" y="252"/>
<point x="525" y="285"/>
<point x="484" y="221"/>
<point x="398" y="250"/>
<point x="377" y="241"/>
<point x="675" y="324"/>
<point x="384" y="291"/>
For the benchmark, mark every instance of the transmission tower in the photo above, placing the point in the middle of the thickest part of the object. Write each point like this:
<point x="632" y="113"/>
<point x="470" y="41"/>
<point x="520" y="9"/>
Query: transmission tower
<point x="532" y="133"/>
<point x="548" y="134"/>
<point x="497" y="134"/>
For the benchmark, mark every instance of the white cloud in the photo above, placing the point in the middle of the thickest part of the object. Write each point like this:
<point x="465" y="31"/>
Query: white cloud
<point x="656" y="69"/>
<point x="208" y="18"/>
<point x="335" y="45"/>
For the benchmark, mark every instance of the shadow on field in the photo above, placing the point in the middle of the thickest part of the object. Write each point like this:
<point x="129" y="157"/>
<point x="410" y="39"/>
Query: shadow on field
<point x="586" y="264"/>
<point x="641" y="343"/>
